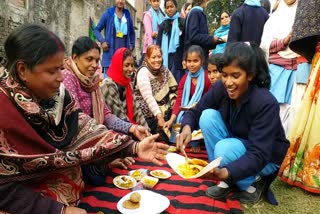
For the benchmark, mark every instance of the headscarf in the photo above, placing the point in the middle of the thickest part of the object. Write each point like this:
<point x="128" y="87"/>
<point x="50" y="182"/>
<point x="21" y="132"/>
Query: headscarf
<point x="90" y="85"/>
<point x="278" y="26"/>
<point x="170" y="47"/>
<point x="115" y="72"/>
<point x="253" y="3"/>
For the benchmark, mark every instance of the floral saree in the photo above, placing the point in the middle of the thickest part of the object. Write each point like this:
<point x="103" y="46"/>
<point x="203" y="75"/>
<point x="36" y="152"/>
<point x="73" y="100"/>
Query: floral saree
<point x="301" y="166"/>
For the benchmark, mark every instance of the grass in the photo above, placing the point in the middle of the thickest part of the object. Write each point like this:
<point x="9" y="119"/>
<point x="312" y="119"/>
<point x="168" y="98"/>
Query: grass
<point x="292" y="200"/>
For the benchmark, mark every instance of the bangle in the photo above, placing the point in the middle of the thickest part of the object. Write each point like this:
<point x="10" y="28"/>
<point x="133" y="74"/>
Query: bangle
<point x="63" y="209"/>
<point x="135" y="149"/>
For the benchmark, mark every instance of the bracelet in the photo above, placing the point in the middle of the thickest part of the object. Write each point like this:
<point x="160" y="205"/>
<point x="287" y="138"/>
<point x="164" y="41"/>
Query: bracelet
<point x="63" y="209"/>
<point x="135" y="149"/>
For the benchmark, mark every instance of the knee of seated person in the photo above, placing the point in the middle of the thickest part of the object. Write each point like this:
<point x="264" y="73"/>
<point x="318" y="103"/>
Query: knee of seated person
<point x="229" y="149"/>
<point x="208" y="117"/>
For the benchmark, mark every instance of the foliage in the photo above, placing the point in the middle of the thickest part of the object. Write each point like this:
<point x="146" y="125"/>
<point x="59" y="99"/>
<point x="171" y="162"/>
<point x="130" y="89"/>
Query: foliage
<point x="215" y="8"/>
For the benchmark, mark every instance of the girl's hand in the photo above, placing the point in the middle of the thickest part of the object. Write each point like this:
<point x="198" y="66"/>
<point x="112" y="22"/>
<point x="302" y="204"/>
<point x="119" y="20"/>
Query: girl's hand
<point x="167" y="125"/>
<point x="122" y="163"/>
<point x="183" y="138"/>
<point x="154" y="35"/>
<point x="140" y="132"/>
<point x="152" y="151"/>
<point x="74" y="210"/>
<point x="217" y="174"/>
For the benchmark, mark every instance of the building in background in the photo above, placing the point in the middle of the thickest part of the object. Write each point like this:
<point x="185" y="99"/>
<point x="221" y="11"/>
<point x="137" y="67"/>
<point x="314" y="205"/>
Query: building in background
<point x="69" y="19"/>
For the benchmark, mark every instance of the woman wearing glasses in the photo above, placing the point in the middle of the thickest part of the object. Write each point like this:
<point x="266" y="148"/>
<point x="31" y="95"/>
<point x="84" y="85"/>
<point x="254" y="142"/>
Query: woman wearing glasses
<point x="222" y="32"/>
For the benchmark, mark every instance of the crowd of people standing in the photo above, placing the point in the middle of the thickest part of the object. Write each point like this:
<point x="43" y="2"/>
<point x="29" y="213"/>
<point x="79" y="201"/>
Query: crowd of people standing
<point x="251" y="85"/>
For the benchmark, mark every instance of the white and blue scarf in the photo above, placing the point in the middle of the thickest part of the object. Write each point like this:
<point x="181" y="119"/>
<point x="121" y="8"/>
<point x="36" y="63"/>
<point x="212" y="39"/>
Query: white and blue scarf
<point x="157" y="18"/>
<point x="253" y="3"/>
<point x="187" y="88"/>
<point x="170" y="47"/>
<point x="122" y="25"/>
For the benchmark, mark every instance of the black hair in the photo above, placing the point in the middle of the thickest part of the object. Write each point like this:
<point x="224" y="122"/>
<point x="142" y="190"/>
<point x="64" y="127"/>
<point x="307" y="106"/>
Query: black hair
<point x="266" y="5"/>
<point x="84" y="44"/>
<point x="197" y="49"/>
<point x="186" y="5"/>
<point x="224" y="11"/>
<point x="32" y="44"/>
<point x="250" y="58"/>
<point x="215" y="59"/>
<point x="173" y="1"/>
<point x="126" y="54"/>
<point x="197" y="2"/>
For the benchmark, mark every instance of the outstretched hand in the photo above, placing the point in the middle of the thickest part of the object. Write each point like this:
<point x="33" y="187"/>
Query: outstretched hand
<point x="152" y="151"/>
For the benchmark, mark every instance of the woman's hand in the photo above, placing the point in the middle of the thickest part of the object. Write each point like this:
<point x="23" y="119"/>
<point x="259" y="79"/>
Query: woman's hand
<point x="152" y="151"/>
<point x="140" y="132"/>
<point x="183" y="138"/>
<point x="74" y="210"/>
<point x="167" y="125"/>
<point x="160" y="120"/>
<point x="287" y="39"/>
<point x="122" y="163"/>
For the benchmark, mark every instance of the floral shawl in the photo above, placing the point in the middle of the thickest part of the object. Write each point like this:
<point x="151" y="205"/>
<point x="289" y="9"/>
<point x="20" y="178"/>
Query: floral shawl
<point x="44" y="144"/>
<point x="90" y="85"/>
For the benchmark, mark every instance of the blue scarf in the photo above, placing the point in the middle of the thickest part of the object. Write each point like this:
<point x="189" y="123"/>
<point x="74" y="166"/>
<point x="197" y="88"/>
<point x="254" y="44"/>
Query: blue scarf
<point x="187" y="88"/>
<point x="222" y="31"/>
<point x="170" y="47"/>
<point x="122" y="26"/>
<point x="253" y="3"/>
<point x="194" y="8"/>
<point x="157" y="19"/>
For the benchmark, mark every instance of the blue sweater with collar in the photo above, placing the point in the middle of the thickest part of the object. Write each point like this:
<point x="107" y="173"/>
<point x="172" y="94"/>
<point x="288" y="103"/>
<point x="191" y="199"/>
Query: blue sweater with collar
<point x="257" y="124"/>
<point x="106" y="22"/>
<point x="247" y="24"/>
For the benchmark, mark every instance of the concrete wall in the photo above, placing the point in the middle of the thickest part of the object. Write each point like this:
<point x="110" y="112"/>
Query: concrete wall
<point x="67" y="18"/>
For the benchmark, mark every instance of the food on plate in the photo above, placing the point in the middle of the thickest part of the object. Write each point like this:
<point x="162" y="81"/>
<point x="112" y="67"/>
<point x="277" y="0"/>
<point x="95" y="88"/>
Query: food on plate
<point x="137" y="174"/>
<point x="160" y="174"/>
<point x="192" y="167"/>
<point x="133" y="202"/>
<point x="149" y="182"/>
<point x="172" y="149"/>
<point x="167" y="132"/>
<point x="197" y="161"/>
<point x="124" y="182"/>
<point x="176" y="127"/>
<point x="130" y="205"/>
<point x="135" y="197"/>
<point x="196" y="133"/>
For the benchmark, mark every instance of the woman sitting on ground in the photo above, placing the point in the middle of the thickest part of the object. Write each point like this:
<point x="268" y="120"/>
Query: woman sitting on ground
<point x="81" y="79"/>
<point x="41" y="156"/>
<point x="156" y="91"/>
<point x="117" y="90"/>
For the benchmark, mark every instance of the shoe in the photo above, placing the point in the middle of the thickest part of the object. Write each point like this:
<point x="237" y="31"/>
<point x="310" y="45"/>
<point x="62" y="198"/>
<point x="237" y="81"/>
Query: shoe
<point x="251" y="198"/>
<point x="218" y="192"/>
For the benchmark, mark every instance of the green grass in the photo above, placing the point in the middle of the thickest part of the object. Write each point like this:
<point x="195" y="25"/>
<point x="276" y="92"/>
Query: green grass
<point x="292" y="200"/>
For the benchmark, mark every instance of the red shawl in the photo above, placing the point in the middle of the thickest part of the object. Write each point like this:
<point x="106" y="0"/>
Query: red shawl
<point x="115" y="72"/>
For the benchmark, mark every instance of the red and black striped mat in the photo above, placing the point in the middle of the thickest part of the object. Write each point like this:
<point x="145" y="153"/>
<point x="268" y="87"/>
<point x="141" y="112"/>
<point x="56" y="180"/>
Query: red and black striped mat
<point x="186" y="196"/>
